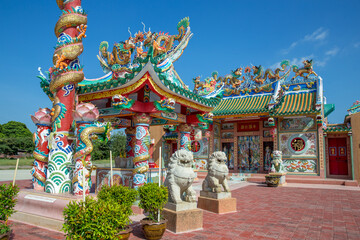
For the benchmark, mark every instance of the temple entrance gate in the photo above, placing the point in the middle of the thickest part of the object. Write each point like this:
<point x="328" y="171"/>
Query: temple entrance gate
<point x="338" y="156"/>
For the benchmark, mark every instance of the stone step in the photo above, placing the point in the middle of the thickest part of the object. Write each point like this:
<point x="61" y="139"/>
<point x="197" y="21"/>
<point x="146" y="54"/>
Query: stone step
<point x="46" y="210"/>
<point x="293" y="179"/>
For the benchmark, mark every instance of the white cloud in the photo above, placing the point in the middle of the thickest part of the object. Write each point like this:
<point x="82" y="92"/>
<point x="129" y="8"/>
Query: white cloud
<point x="332" y="52"/>
<point x="319" y="34"/>
<point x="356" y="45"/>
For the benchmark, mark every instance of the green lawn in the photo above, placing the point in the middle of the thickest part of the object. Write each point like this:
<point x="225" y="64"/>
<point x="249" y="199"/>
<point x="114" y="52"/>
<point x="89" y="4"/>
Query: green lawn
<point x="12" y="162"/>
<point x="29" y="161"/>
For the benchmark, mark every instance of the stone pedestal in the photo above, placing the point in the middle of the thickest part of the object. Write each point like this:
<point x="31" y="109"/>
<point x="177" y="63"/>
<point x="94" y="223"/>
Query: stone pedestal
<point x="282" y="180"/>
<point x="217" y="202"/>
<point x="184" y="221"/>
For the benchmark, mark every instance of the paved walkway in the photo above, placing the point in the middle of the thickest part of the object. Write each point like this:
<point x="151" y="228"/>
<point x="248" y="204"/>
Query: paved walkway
<point x="299" y="211"/>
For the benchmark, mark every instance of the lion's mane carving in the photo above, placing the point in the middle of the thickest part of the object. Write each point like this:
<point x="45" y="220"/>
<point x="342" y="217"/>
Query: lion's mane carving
<point x="217" y="173"/>
<point x="180" y="177"/>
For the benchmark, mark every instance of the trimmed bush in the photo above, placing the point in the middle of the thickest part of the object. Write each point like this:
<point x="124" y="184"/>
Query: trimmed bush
<point x="8" y="201"/>
<point x="94" y="219"/>
<point x="123" y="195"/>
<point x="153" y="199"/>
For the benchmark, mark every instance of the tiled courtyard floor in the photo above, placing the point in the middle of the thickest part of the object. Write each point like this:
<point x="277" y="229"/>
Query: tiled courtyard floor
<point x="300" y="212"/>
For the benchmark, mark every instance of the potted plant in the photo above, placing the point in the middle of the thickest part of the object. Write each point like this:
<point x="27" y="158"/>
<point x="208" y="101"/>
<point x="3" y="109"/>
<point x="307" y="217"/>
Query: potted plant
<point x="94" y="219"/>
<point x="272" y="180"/>
<point x="7" y="204"/>
<point x="153" y="199"/>
<point x="124" y="196"/>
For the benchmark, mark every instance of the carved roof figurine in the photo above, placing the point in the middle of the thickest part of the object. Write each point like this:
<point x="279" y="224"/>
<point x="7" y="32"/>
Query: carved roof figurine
<point x="287" y="90"/>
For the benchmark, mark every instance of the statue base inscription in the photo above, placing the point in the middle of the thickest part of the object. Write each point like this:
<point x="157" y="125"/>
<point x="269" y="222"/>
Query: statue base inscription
<point x="184" y="221"/>
<point x="217" y="202"/>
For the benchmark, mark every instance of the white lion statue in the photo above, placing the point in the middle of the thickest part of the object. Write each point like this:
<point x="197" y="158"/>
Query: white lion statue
<point x="277" y="165"/>
<point x="180" y="177"/>
<point x="217" y="173"/>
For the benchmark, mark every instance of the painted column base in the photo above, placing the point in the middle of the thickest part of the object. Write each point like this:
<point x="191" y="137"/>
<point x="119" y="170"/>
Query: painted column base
<point x="184" y="221"/>
<point x="217" y="205"/>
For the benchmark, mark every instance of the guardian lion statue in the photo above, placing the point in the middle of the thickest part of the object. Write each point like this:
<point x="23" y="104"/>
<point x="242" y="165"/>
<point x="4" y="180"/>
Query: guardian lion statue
<point x="277" y="165"/>
<point x="217" y="174"/>
<point x="180" y="177"/>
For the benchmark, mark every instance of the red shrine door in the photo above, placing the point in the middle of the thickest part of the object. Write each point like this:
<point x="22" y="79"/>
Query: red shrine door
<point x="338" y="156"/>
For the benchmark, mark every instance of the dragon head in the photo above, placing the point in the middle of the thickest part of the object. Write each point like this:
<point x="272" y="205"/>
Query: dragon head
<point x="238" y="71"/>
<point x="308" y="63"/>
<point x="257" y="70"/>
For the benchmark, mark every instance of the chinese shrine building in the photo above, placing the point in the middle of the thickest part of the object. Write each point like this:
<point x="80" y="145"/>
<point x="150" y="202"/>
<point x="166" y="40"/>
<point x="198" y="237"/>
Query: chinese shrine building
<point x="248" y="113"/>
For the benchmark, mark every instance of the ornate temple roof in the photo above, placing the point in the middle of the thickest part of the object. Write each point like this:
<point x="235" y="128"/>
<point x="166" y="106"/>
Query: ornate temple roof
<point x="145" y="58"/>
<point x="355" y="108"/>
<point x="297" y="103"/>
<point x="244" y="105"/>
<point x="161" y="86"/>
<point x="337" y="128"/>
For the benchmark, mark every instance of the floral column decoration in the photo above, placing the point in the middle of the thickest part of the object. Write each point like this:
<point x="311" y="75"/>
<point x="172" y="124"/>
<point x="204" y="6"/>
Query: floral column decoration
<point x="185" y="141"/>
<point x="64" y="76"/>
<point x="42" y="120"/>
<point x="141" y="149"/>
<point x="85" y="116"/>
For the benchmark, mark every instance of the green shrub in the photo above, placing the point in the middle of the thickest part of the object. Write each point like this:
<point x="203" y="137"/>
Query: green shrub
<point x="123" y="195"/>
<point x="7" y="204"/>
<point x="153" y="199"/>
<point x="94" y="219"/>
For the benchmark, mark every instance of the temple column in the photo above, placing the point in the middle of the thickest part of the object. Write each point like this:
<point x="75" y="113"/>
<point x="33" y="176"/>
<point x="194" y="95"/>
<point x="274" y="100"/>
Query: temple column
<point x="141" y="150"/>
<point x="185" y="141"/>
<point x="66" y="73"/>
<point x="86" y="115"/>
<point x="130" y="141"/>
<point x="42" y="119"/>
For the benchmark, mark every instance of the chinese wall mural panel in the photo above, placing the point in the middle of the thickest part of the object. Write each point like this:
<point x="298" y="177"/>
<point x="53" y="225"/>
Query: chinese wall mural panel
<point x="301" y="166"/>
<point x="201" y="164"/>
<point x="249" y="153"/>
<point x="298" y="144"/>
<point x="297" y="124"/>
<point x="228" y="149"/>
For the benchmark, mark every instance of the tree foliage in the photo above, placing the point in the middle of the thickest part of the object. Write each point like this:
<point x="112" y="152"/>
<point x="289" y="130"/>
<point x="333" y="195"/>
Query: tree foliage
<point x="102" y="150"/>
<point x="15" y="136"/>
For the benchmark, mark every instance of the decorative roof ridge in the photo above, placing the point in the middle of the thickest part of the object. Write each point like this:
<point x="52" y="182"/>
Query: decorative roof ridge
<point x="256" y="79"/>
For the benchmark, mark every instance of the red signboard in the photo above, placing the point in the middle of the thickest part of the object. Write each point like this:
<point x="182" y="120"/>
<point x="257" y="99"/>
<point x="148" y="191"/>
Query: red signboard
<point x="248" y="126"/>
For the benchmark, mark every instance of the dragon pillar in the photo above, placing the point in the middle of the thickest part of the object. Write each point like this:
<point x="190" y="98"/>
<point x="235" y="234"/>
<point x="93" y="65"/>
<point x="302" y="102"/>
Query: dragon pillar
<point x="64" y="76"/>
<point x="85" y="116"/>
<point x="42" y="119"/>
<point x="141" y="149"/>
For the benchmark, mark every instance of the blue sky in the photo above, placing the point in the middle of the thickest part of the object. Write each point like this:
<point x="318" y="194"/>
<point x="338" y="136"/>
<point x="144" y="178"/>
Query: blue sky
<point x="227" y="34"/>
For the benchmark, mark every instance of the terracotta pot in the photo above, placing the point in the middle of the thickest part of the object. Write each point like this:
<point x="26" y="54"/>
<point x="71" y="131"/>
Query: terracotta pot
<point x="272" y="180"/>
<point x="6" y="236"/>
<point x="125" y="234"/>
<point x="153" y="230"/>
